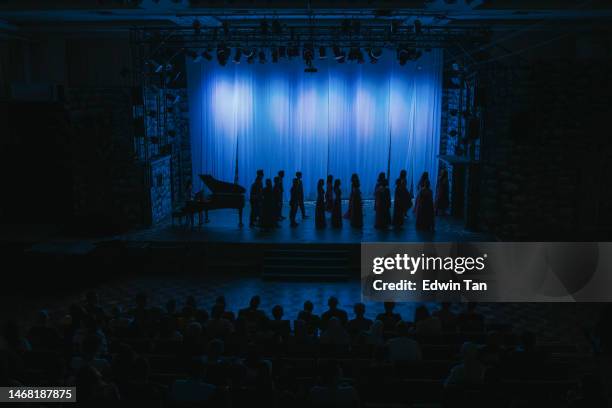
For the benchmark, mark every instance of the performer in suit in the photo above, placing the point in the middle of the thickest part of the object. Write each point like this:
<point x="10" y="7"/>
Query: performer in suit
<point x="281" y="175"/>
<point x="329" y="194"/>
<point x="320" y="208"/>
<point x="355" y="202"/>
<point x="336" y="219"/>
<point x="255" y="198"/>
<point x="298" y="175"/>
<point x="399" y="203"/>
<point x="294" y="201"/>
<point x="278" y="197"/>
<point x="442" y="200"/>
<point x="424" y="208"/>
<point x="268" y="209"/>
<point x="347" y="214"/>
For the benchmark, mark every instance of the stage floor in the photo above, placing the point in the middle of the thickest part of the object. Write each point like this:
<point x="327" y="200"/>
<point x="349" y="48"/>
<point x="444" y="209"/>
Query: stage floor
<point x="223" y="227"/>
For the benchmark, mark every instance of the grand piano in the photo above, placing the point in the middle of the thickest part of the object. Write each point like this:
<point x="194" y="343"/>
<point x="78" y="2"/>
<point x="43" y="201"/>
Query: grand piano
<point x="224" y="195"/>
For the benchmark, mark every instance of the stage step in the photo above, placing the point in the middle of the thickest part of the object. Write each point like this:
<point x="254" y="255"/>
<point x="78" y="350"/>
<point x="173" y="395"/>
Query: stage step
<point x="300" y="263"/>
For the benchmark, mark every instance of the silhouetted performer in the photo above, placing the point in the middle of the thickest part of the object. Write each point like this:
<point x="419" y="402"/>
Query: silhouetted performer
<point x="268" y="208"/>
<point x="281" y="175"/>
<point x="255" y="198"/>
<point x="424" y="208"/>
<point x="398" y="204"/>
<point x="406" y="193"/>
<point x="336" y="219"/>
<point x="320" y="207"/>
<point x="356" y="205"/>
<point x="298" y="175"/>
<point x="294" y="201"/>
<point x="329" y="194"/>
<point x="278" y="197"/>
<point x="382" y="203"/>
<point x="424" y="180"/>
<point x="347" y="214"/>
<point x="442" y="193"/>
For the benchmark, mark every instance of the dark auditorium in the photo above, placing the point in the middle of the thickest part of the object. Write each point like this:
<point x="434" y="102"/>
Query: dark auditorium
<point x="306" y="203"/>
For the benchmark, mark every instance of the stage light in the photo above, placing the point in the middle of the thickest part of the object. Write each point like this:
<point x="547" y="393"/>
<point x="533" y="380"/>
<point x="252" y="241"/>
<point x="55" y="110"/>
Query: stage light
<point x="359" y="55"/>
<point x="375" y="54"/>
<point x="339" y="54"/>
<point x="275" y="55"/>
<point x="322" y="53"/>
<point x="206" y="55"/>
<point x="418" y="26"/>
<point x="402" y="56"/>
<point x="308" y="54"/>
<point x="282" y="51"/>
<point x="237" y="55"/>
<point x="262" y="57"/>
<point x="250" y="55"/>
<point x="222" y="54"/>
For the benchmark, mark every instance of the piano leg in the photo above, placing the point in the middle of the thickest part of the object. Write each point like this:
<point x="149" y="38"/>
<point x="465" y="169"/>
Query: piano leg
<point x="240" y="224"/>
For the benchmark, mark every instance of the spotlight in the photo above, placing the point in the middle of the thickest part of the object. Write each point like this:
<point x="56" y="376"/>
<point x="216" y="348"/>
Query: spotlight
<point x="237" y="55"/>
<point x="322" y="53"/>
<point x="418" y="26"/>
<point x="275" y="55"/>
<point x="222" y="54"/>
<point x="250" y="55"/>
<point x="339" y="54"/>
<point x="308" y="54"/>
<point x="359" y="56"/>
<point x="375" y="54"/>
<point x="197" y="27"/>
<point x="355" y="54"/>
<point x="402" y="56"/>
<point x="262" y="57"/>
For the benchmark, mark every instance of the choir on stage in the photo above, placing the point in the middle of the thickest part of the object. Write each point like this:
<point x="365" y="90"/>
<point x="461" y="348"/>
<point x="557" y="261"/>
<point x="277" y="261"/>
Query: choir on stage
<point x="266" y="199"/>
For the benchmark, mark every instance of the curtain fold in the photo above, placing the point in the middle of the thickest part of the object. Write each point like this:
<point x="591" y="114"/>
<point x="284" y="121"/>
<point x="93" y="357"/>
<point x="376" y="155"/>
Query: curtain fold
<point x="346" y="118"/>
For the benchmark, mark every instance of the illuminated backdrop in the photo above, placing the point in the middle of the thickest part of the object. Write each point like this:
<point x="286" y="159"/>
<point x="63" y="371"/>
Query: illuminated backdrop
<point x="345" y="118"/>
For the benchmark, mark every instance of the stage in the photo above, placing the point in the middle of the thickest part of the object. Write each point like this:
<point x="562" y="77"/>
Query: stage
<point x="223" y="227"/>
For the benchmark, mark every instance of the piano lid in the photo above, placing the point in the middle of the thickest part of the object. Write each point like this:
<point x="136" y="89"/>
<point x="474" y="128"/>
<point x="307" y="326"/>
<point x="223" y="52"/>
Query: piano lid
<point x="221" y="187"/>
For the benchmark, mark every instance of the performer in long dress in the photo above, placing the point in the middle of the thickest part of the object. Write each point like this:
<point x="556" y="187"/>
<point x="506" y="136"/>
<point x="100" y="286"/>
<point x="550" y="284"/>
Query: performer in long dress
<point x="382" y="203"/>
<point x="300" y="193"/>
<point x="424" y="208"/>
<point x="336" y="219"/>
<point x="256" y="198"/>
<point x="329" y="194"/>
<point x="294" y="201"/>
<point x="398" y="204"/>
<point x="347" y="214"/>
<point x="278" y="197"/>
<point x="355" y="202"/>
<point x="320" y="207"/>
<point x="281" y="175"/>
<point x="407" y="195"/>
<point x="423" y="181"/>
<point x="442" y="200"/>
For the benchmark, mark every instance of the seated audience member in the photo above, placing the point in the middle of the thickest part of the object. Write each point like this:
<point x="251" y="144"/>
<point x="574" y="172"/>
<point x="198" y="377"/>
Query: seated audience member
<point x="93" y="390"/>
<point x="334" y="333"/>
<point x="171" y="307"/>
<point x="193" y="341"/>
<point x="389" y="318"/>
<point x="470" y="320"/>
<point x="168" y="329"/>
<point x="252" y="362"/>
<point x="141" y="313"/>
<point x="251" y="316"/>
<point x="448" y="319"/>
<point x="402" y="347"/>
<point x="359" y="324"/>
<point x="200" y="315"/>
<point x="140" y="391"/>
<point x="92" y="306"/>
<point x="425" y="324"/>
<point x="43" y="337"/>
<point x="591" y="394"/>
<point x="193" y="389"/>
<point x="217" y="366"/>
<point x="90" y="351"/>
<point x="313" y="321"/>
<point x="218" y="326"/>
<point x="227" y="314"/>
<point x="12" y="340"/>
<point x="375" y="336"/>
<point x="277" y="325"/>
<point x="122" y="362"/>
<point x="333" y="311"/>
<point x="302" y="334"/>
<point x="470" y="371"/>
<point x="332" y="393"/>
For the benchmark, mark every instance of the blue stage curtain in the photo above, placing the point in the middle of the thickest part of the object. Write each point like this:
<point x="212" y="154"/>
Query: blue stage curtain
<point x="346" y="118"/>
